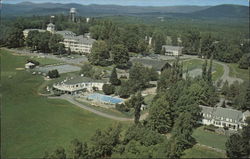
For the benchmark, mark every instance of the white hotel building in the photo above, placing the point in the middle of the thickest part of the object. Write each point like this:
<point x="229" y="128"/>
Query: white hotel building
<point x="79" y="44"/>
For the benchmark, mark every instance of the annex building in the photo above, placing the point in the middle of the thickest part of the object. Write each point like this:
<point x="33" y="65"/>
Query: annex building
<point x="223" y="117"/>
<point x="75" y="85"/>
<point x="172" y="50"/>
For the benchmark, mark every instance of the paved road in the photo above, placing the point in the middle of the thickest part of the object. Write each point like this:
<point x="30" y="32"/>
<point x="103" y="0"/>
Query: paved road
<point x="71" y="100"/>
<point x="225" y="76"/>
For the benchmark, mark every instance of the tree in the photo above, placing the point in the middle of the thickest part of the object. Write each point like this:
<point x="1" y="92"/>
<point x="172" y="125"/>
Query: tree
<point x="246" y="138"/>
<point x="244" y="61"/>
<point x="87" y="70"/>
<point x="138" y="77"/>
<point x="59" y="154"/>
<point x="113" y="78"/>
<point x="160" y="117"/>
<point x="225" y="88"/>
<point x="61" y="49"/>
<point x="207" y="46"/>
<point x="124" y="90"/>
<point x="183" y="129"/>
<point x="99" y="54"/>
<point x="191" y="42"/>
<point x="108" y="89"/>
<point x="136" y="102"/>
<point x="105" y="141"/>
<point x="119" y="55"/>
<point x="246" y="101"/>
<point x="79" y="150"/>
<point x="15" y="38"/>
<point x="159" y="40"/>
<point x="234" y="146"/>
<point x="53" y="74"/>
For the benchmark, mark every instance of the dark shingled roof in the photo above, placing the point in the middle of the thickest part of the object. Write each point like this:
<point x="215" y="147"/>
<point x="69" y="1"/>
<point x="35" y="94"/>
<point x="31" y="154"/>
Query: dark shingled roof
<point x="158" y="65"/>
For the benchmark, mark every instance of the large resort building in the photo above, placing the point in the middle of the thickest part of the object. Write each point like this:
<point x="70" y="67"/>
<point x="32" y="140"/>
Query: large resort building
<point x="223" y="117"/>
<point x="79" y="44"/>
<point x="76" y="85"/>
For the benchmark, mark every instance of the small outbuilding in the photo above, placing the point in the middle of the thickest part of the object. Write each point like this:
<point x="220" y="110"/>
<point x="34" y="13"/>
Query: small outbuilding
<point x="29" y="65"/>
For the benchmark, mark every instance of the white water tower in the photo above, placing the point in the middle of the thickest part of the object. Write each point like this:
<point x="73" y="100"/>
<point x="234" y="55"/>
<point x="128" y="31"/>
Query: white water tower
<point x="72" y="14"/>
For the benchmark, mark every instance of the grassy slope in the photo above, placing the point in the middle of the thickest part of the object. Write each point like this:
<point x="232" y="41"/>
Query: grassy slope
<point x="32" y="124"/>
<point x="196" y="63"/>
<point x="235" y="71"/>
<point x="202" y="152"/>
<point x="210" y="138"/>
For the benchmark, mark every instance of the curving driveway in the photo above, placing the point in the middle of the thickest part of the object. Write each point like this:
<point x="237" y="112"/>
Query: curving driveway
<point x="71" y="100"/>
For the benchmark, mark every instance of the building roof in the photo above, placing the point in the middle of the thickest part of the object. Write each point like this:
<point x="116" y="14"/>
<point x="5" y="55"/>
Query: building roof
<point x="207" y="110"/>
<point x="77" y="80"/>
<point x="218" y="112"/>
<point x="158" y="65"/>
<point x="84" y="40"/>
<point x="72" y="36"/>
<point x="66" y="33"/>
<point x="228" y="113"/>
<point x="246" y="113"/>
<point x="172" y="48"/>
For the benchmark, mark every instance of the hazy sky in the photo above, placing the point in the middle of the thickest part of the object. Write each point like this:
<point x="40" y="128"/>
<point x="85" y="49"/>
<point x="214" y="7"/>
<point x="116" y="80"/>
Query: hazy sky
<point x="141" y="2"/>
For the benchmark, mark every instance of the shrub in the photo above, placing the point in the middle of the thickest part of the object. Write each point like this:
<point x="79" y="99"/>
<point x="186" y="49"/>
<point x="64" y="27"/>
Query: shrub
<point x="108" y="89"/>
<point x="53" y="74"/>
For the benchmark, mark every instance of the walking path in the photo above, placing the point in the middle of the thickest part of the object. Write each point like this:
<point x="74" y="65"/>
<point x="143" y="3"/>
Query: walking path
<point x="71" y="100"/>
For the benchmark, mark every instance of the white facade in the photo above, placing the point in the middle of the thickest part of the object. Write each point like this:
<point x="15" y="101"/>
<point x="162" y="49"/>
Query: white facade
<point x="223" y="117"/>
<point x="73" y="87"/>
<point x="172" y="50"/>
<point x="51" y="28"/>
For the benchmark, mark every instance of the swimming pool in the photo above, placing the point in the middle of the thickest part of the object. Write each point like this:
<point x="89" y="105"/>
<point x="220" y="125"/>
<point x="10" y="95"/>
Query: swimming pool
<point x="104" y="98"/>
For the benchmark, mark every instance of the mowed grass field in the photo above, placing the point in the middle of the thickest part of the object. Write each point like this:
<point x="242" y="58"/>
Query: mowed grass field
<point x="32" y="124"/>
<point x="235" y="71"/>
<point x="202" y="152"/>
<point x="209" y="138"/>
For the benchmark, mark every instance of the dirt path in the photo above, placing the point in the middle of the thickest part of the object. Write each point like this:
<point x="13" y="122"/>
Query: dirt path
<point x="71" y="100"/>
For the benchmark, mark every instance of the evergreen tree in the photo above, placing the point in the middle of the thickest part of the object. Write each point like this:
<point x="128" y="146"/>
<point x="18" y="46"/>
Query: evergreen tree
<point x="209" y="71"/>
<point x="136" y="102"/>
<point x="246" y="103"/>
<point x="113" y="78"/>
<point x="204" y="70"/>
<point x="234" y="146"/>
<point x="79" y="150"/>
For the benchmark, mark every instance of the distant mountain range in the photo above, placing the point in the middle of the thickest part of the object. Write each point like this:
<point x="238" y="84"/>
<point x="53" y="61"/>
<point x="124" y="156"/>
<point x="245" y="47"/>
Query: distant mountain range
<point x="221" y="11"/>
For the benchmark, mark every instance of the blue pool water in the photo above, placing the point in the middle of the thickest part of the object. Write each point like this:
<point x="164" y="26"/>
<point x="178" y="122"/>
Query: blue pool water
<point x="104" y="98"/>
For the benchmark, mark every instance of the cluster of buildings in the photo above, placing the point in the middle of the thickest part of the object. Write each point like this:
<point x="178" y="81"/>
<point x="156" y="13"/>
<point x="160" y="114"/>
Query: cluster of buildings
<point x="223" y="117"/>
<point x="79" y="44"/>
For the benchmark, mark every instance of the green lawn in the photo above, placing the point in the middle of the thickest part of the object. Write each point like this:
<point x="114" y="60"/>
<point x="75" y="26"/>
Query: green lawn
<point x="202" y="152"/>
<point x="47" y="61"/>
<point x="197" y="63"/>
<point x="210" y="138"/>
<point x="235" y="71"/>
<point x="32" y="124"/>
